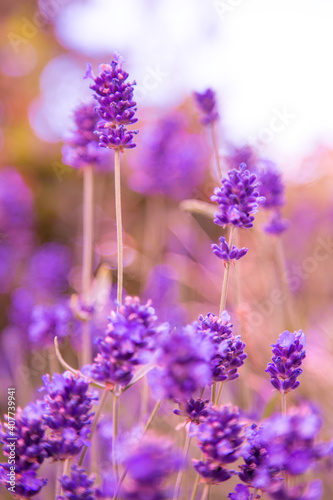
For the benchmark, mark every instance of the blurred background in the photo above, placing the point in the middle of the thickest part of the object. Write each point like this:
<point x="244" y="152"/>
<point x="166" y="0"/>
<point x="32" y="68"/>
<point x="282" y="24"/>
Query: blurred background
<point x="269" y="64"/>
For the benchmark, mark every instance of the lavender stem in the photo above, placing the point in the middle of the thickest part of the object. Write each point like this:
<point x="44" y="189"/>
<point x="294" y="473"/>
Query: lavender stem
<point x="182" y="466"/>
<point x="216" y="151"/>
<point x="115" y="415"/>
<point x="205" y="492"/>
<point x="226" y="275"/>
<point x="195" y="487"/>
<point x="119" y="226"/>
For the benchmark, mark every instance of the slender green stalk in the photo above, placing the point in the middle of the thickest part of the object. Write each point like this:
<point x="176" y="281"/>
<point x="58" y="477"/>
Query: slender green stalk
<point x="226" y="275"/>
<point x="195" y="487"/>
<point x="119" y="226"/>
<point x="213" y="394"/>
<point x="219" y="393"/>
<point x="146" y="427"/>
<point x="205" y="492"/>
<point x="95" y="421"/>
<point x="115" y="434"/>
<point x="216" y="150"/>
<point x="88" y="184"/>
<point x="182" y="466"/>
<point x="58" y="476"/>
<point x="284" y="403"/>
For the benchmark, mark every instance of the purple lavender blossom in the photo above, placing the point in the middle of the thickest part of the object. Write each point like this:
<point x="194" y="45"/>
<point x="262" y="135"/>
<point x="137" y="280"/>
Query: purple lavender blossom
<point x="115" y="104"/>
<point x="276" y="225"/>
<point x="241" y="493"/>
<point x="48" y="322"/>
<point x="219" y="436"/>
<point x="288" y="354"/>
<point x="172" y="162"/>
<point x="271" y="185"/>
<point x="225" y="253"/>
<point x="30" y="449"/>
<point x="77" y="486"/>
<point x="206" y="102"/>
<point x="228" y="354"/>
<point x="49" y="268"/>
<point x="69" y="403"/>
<point x="238" y="198"/>
<point x="148" y="466"/>
<point x="81" y="147"/>
<point x="244" y="154"/>
<point x="194" y="410"/>
<point x="129" y="339"/>
<point x="182" y="364"/>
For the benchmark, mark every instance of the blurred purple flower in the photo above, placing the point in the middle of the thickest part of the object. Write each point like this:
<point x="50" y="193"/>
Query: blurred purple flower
<point x="276" y="225"/>
<point x="271" y="187"/>
<point x="212" y="472"/>
<point x="206" y="102"/>
<point x="225" y="253"/>
<point x="81" y="147"/>
<point x="77" y="486"/>
<point x="183" y="364"/>
<point x="171" y="161"/>
<point x="115" y="104"/>
<point x="311" y="491"/>
<point x="193" y="409"/>
<point x="244" y="154"/>
<point x="288" y="354"/>
<point x="69" y="403"/>
<point x="238" y="198"/>
<point x="241" y="493"/>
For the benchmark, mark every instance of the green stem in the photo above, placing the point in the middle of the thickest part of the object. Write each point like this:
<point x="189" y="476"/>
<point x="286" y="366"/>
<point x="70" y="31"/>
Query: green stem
<point x="119" y="226"/>
<point x="226" y="275"/>
<point x="213" y="395"/>
<point x="216" y="151"/>
<point x="219" y="393"/>
<point x="195" y="487"/>
<point x="115" y="433"/>
<point x="182" y="466"/>
<point x="205" y="492"/>
<point x="58" y="485"/>
<point x="96" y="418"/>
<point x="88" y="183"/>
<point x="284" y="403"/>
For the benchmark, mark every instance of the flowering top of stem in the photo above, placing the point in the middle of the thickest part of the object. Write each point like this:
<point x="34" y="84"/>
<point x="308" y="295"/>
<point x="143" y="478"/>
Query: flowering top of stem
<point x="193" y="409"/>
<point x="276" y="225"/>
<point x="241" y="492"/>
<point x="271" y="185"/>
<point x="81" y="146"/>
<point x="77" y="486"/>
<point x="115" y="104"/>
<point x="238" y="198"/>
<point x="207" y="104"/>
<point x="288" y="354"/>
<point x="228" y="254"/>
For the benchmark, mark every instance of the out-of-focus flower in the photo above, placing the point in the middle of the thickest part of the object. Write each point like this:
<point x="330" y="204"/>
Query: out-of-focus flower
<point x="130" y="336"/>
<point x="193" y="409"/>
<point x="276" y="225"/>
<point x="52" y="321"/>
<point x="288" y="354"/>
<point x="77" y="486"/>
<point x="228" y="254"/>
<point x="171" y="161"/>
<point x="244" y="154"/>
<point x="69" y="403"/>
<point x="149" y="464"/>
<point x="238" y="198"/>
<point x="206" y="102"/>
<point x="228" y="354"/>
<point x="271" y="185"/>
<point x="115" y="104"/>
<point x="28" y="430"/>
<point x="183" y="364"/>
<point x="311" y="491"/>
<point x="219" y="436"/>
<point x="241" y="493"/>
<point x="81" y="147"/>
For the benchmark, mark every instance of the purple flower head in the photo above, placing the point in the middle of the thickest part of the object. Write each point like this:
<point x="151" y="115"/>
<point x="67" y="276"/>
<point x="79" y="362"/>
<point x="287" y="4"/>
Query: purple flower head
<point x="30" y="449"/>
<point x="228" y="354"/>
<point x="207" y="104"/>
<point x="49" y="268"/>
<point x="183" y="364"/>
<point x="225" y="253"/>
<point x="48" y="322"/>
<point x="129" y="340"/>
<point x="241" y="493"/>
<point x="271" y="185"/>
<point x="115" y="104"/>
<point x="81" y="147"/>
<point x="149" y="464"/>
<point x="194" y="410"/>
<point x="211" y="472"/>
<point x="276" y="225"/>
<point x="69" y="403"/>
<point x="77" y="486"/>
<point x="220" y="435"/>
<point x="172" y="162"/>
<point x="288" y="354"/>
<point x="244" y="154"/>
<point x="238" y="198"/>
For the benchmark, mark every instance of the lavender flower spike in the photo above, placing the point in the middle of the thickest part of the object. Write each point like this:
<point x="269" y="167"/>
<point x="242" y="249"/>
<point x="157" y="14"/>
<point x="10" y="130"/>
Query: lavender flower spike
<point x="238" y="198"/>
<point x="288" y="354"/>
<point x="241" y="493"/>
<point x="78" y="486"/>
<point x="276" y="225"/>
<point x="207" y="104"/>
<point x="225" y="253"/>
